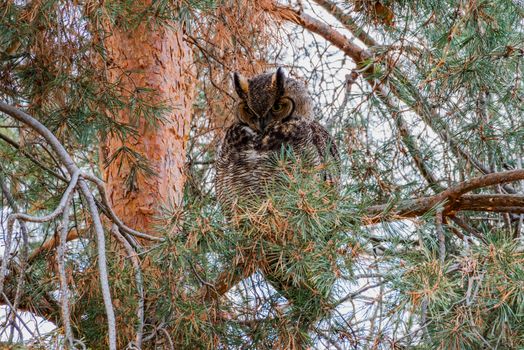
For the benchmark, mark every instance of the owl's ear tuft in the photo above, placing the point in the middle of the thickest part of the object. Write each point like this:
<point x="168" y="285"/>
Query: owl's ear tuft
<point x="241" y="85"/>
<point x="278" y="81"/>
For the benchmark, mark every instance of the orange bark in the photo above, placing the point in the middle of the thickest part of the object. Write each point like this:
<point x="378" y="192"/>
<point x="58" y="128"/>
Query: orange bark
<point x="156" y="58"/>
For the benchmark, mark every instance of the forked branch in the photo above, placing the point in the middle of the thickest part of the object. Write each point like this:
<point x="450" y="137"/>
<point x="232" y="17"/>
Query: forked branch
<point x="73" y="170"/>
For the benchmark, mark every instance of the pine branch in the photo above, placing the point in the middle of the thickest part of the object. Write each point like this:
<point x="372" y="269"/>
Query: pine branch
<point x="132" y="255"/>
<point x="452" y="200"/>
<point x="420" y="106"/>
<point x="31" y="157"/>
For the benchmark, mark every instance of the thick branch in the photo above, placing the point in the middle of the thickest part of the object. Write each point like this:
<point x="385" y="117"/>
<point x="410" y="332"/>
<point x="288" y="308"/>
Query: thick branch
<point x="347" y="21"/>
<point x="64" y="288"/>
<point x="324" y="30"/>
<point x="483" y="181"/>
<point x="482" y="202"/>
<point x="454" y="199"/>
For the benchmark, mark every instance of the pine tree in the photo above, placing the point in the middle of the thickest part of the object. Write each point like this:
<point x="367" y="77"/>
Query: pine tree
<point x="421" y="248"/>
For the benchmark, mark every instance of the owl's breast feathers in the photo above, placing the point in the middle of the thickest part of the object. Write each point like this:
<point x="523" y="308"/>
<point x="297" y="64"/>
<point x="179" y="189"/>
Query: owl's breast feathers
<point x="244" y="164"/>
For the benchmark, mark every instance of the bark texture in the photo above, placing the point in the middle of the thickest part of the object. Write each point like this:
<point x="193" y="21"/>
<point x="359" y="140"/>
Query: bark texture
<point x="158" y="59"/>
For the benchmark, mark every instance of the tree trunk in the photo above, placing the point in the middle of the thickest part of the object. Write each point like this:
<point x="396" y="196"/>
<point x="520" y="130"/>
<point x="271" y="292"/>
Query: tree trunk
<point x="153" y="63"/>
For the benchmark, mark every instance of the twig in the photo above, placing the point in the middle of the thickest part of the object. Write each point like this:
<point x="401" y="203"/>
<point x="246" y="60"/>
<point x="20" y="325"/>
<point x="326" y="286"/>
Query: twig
<point x="441" y="236"/>
<point x="31" y="158"/>
<point x="23" y="259"/>
<point x="352" y="295"/>
<point x="463" y="225"/>
<point x="6" y="299"/>
<point x="168" y="337"/>
<point x="333" y="342"/>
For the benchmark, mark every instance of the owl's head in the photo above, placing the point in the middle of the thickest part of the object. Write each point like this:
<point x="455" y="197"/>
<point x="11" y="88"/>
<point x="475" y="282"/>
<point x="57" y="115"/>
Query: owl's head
<point x="270" y="98"/>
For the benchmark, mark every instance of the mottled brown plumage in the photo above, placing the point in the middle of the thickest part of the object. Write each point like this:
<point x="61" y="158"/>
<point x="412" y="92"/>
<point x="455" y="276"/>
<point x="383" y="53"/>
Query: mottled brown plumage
<point x="273" y="112"/>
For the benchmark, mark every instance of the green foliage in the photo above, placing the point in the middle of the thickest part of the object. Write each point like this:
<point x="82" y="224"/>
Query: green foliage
<point x="293" y="238"/>
<point x="59" y="75"/>
<point x="475" y="305"/>
<point x="310" y="265"/>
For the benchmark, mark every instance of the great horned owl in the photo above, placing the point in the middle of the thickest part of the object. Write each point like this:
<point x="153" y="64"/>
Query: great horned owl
<point x="273" y="111"/>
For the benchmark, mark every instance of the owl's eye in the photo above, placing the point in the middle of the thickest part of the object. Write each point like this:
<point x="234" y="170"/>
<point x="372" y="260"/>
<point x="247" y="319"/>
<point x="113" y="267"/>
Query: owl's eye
<point x="245" y="110"/>
<point x="277" y="107"/>
<point x="245" y="114"/>
<point x="282" y="108"/>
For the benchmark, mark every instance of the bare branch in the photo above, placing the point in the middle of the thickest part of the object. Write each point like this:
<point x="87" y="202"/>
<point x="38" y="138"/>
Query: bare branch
<point x="23" y="258"/>
<point x="439" y="220"/>
<point x="66" y="197"/>
<point x="66" y="159"/>
<point x="64" y="290"/>
<point x="21" y="216"/>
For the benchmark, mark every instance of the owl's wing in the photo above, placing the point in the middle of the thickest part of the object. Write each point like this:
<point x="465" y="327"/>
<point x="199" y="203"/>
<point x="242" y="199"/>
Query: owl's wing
<point x="327" y="150"/>
<point x="236" y="165"/>
<point x="237" y="139"/>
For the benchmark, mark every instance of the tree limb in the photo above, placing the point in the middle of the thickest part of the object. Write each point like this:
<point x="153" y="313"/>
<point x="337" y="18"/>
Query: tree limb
<point x="347" y="21"/>
<point x="454" y="199"/>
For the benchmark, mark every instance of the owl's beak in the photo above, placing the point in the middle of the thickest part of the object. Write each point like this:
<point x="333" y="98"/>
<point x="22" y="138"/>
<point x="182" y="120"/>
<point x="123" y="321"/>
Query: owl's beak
<point x="262" y="123"/>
